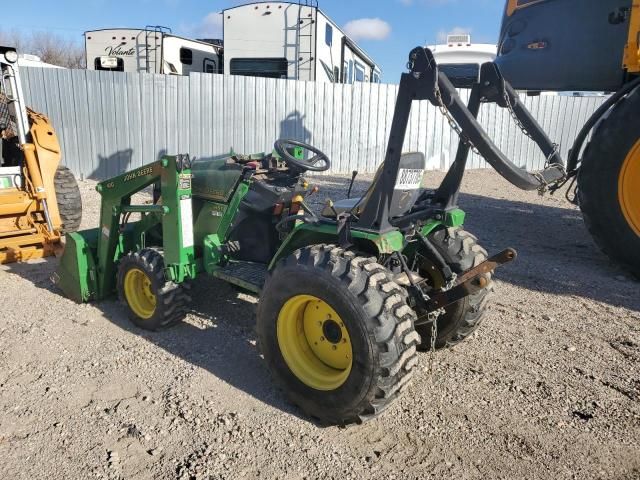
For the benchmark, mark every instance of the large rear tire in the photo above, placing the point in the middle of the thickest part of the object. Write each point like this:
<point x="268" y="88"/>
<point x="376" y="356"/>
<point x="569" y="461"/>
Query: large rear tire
<point x="609" y="184"/>
<point x="336" y="333"/>
<point x="461" y="251"/>
<point x="69" y="199"/>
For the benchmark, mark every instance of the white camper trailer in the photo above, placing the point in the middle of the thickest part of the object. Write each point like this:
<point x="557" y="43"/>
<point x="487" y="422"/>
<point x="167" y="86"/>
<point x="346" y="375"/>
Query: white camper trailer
<point x="152" y="49"/>
<point x="293" y="40"/>
<point x="460" y="59"/>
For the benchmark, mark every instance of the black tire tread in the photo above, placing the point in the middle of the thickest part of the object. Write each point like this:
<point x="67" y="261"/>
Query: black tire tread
<point x="397" y="342"/>
<point x="462" y="251"/>
<point x="172" y="299"/>
<point x="597" y="183"/>
<point x="69" y="199"/>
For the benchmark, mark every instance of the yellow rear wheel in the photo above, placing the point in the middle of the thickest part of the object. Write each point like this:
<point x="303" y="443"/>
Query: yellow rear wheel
<point x="629" y="188"/>
<point x="314" y="342"/>
<point x="336" y="333"/>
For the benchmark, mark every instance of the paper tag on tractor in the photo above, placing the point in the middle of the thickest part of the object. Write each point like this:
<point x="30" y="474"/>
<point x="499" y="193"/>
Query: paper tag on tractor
<point x="409" y="179"/>
<point x="186" y="221"/>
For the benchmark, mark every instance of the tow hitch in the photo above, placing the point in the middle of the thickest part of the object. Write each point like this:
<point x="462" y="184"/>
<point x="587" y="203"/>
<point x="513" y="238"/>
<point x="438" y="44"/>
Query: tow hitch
<point x="470" y="282"/>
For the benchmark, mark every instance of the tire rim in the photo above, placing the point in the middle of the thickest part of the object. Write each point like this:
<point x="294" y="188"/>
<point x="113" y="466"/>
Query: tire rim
<point x="629" y="188"/>
<point x="137" y="290"/>
<point x="314" y="342"/>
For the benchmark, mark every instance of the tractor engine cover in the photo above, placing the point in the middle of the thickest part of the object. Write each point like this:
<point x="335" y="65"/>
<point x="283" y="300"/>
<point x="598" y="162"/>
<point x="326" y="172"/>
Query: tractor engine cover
<point x="564" y="45"/>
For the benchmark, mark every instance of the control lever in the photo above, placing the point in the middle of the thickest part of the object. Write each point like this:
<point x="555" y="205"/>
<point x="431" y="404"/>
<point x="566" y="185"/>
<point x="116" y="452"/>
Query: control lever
<point x="329" y="203"/>
<point x="354" y="174"/>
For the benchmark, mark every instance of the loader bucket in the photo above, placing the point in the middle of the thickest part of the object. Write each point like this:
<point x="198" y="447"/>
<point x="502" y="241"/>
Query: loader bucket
<point x="76" y="274"/>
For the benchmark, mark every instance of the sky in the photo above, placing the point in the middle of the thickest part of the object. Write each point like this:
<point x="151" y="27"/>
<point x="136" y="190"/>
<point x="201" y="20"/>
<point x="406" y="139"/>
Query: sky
<point x="386" y="29"/>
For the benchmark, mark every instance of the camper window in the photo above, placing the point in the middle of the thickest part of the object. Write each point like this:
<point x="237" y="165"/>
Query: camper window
<point x="186" y="56"/>
<point x="345" y="72"/>
<point x="328" y="35"/>
<point x="359" y="72"/>
<point x="376" y="77"/>
<point x="260" y="67"/>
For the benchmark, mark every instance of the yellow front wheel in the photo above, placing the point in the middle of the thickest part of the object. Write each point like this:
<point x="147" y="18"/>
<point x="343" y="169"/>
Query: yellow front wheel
<point x="336" y="333"/>
<point x="153" y="302"/>
<point x="139" y="294"/>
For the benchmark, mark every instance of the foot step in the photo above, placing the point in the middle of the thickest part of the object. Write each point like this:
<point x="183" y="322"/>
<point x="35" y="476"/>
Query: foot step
<point x="247" y="275"/>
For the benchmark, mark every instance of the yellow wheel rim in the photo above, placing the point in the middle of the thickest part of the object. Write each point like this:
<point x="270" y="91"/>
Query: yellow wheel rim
<point x="629" y="188"/>
<point x="137" y="291"/>
<point x="314" y="342"/>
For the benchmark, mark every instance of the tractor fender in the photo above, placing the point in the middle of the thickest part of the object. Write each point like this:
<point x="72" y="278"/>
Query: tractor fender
<point x="370" y="242"/>
<point x="305" y="234"/>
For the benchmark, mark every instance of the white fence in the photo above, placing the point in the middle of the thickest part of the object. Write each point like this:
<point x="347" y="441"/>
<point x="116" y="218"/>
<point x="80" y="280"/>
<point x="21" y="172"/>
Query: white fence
<point x="110" y="122"/>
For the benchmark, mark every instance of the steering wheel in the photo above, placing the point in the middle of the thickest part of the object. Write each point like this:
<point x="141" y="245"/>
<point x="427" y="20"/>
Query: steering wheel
<point x="318" y="163"/>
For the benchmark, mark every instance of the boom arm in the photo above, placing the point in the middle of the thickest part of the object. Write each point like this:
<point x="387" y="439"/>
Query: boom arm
<point x="424" y="82"/>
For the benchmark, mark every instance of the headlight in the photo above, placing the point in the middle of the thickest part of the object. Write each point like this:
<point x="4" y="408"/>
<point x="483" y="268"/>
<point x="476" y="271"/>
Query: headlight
<point x="11" y="56"/>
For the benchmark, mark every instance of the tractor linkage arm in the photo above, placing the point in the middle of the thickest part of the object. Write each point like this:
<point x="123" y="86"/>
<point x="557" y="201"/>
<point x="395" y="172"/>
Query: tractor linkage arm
<point x="425" y="82"/>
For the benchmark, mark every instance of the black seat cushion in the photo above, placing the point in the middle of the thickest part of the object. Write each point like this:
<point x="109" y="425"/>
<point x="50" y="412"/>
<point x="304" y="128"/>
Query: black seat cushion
<point x="402" y="201"/>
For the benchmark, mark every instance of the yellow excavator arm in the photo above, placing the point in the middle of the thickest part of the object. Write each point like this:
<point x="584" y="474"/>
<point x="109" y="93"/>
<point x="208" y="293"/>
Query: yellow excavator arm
<point x="34" y="188"/>
<point x="632" y="49"/>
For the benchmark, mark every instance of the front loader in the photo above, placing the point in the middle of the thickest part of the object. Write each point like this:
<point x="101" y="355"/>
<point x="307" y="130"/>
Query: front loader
<point x="39" y="198"/>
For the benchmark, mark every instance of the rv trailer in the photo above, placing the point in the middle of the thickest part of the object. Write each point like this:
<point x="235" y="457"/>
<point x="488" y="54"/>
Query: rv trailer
<point x="294" y="40"/>
<point x="460" y="59"/>
<point x="152" y="49"/>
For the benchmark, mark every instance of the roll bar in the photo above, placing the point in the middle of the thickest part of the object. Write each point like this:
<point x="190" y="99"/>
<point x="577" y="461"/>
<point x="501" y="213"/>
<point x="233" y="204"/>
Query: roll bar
<point x="425" y="82"/>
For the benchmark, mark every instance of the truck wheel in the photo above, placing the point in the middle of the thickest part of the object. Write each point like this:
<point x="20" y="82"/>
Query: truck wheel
<point x="69" y="199"/>
<point x="152" y="301"/>
<point x="461" y="251"/>
<point x="609" y="184"/>
<point x="336" y="334"/>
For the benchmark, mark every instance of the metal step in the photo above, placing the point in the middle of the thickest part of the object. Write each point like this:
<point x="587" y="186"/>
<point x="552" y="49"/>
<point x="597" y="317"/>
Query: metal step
<point x="247" y="275"/>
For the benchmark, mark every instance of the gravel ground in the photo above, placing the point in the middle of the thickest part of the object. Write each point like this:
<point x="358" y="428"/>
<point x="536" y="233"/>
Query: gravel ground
<point x="549" y="387"/>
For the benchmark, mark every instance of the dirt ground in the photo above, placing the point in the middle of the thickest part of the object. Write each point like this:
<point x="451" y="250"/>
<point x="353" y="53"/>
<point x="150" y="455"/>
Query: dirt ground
<point x="549" y="387"/>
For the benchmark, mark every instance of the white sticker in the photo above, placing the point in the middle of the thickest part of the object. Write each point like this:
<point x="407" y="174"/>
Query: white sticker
<point x="105" y="231"/>
<point x="186" y="221"/>
<point x="409" y="178"/>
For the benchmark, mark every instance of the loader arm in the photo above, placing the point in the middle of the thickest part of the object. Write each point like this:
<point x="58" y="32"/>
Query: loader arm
<point x="88" y="268"/>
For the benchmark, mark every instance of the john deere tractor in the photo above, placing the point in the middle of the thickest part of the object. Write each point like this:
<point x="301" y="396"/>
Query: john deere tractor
<point x="347" y="295"/>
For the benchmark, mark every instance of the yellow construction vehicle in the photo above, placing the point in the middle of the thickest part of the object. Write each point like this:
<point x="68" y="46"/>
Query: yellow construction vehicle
<point x="39" y="198"/>
<point x="588" y="45"/>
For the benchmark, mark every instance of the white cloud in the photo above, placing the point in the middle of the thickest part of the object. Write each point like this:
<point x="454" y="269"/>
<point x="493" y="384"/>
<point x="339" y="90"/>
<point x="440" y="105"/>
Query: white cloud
<point x="368" y="29"/>
<point x="211" y="25"/>
<point x="442" y="34"/>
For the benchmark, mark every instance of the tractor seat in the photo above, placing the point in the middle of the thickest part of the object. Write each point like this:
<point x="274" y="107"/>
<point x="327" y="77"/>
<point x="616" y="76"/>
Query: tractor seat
<point x="403" y="200"/>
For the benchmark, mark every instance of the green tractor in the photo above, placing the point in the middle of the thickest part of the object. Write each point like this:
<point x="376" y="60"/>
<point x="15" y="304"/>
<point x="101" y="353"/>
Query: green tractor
<point x="347" y="295"/>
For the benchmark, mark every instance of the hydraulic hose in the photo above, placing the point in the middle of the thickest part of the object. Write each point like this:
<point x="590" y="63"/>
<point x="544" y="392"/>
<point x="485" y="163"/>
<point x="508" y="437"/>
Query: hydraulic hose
<point x="574" y="153"/>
